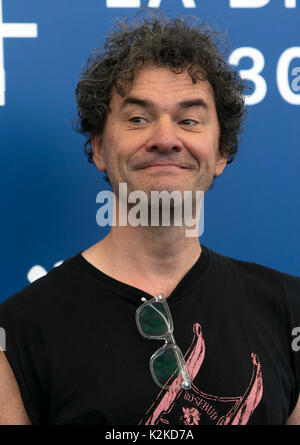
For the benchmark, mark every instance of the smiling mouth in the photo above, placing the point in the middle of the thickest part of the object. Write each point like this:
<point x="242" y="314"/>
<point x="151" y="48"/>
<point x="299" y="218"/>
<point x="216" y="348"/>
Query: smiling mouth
<point x="164" y="167"/>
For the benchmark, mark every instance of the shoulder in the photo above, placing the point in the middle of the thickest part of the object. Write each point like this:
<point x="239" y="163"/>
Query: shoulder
<point x="57" y="278"/>
<point x="46" y="300"/>
<point x="250" y="270"/>
<point x="257" y="279"/>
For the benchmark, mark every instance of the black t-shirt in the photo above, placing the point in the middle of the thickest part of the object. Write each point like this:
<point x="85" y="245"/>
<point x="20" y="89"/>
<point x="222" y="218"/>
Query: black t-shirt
<point x="73" y="345"/>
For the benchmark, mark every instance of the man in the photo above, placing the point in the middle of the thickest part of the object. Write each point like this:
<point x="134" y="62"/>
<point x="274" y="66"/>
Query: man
<point x="162" y="111"/>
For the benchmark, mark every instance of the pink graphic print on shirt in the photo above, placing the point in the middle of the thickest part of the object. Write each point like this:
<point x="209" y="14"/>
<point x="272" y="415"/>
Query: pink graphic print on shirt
<point x="188" y="407"/>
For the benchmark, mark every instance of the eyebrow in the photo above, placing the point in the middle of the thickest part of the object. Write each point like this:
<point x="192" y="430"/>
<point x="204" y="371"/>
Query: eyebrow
<point x="145" y="103"/>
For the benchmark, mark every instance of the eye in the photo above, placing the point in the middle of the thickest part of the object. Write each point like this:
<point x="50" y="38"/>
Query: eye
<point x="137" y="120"/>
<point x="189" y="122"/>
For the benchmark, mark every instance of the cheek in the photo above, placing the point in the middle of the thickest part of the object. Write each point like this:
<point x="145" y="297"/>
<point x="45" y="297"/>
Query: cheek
<point x="114" y="156"/>
<point x="110" y="150"/>
<point x="206" y="150"/>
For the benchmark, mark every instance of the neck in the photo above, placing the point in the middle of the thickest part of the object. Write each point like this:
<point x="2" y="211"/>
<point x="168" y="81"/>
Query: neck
<point x="161" y="250"/>
<point x="153" y="259"/>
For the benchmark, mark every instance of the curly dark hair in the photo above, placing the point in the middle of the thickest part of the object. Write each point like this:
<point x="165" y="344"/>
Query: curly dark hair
<point x="176" y="44"/>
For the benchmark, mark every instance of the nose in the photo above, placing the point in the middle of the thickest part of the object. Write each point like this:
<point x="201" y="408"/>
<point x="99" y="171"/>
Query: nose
<point x="164" y="137"/>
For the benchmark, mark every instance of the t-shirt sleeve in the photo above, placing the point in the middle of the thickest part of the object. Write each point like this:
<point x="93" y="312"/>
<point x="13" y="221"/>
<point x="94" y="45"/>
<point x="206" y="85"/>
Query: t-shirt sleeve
<point x="26" y="350"/>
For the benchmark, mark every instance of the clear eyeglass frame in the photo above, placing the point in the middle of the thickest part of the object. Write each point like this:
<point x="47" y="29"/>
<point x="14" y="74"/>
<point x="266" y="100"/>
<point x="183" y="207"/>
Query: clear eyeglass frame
<point x="182" y="379"/>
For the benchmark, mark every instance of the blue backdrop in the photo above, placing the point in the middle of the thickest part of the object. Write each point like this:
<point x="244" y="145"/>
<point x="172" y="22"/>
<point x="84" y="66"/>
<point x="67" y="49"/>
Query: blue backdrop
<point x="48" y="189"/>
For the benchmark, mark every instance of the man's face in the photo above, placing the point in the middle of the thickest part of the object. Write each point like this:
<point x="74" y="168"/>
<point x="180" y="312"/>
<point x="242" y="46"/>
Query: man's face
<point x="162" y="135"/>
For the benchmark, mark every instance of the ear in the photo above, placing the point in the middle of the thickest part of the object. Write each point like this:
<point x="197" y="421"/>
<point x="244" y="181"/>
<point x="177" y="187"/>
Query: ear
<point x="97" y="148"/>
<point x="221" y="164"/>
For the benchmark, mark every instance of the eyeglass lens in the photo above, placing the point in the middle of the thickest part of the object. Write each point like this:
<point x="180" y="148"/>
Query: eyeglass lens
<point x="154" y="320"/>
<point x="165" y="365"/>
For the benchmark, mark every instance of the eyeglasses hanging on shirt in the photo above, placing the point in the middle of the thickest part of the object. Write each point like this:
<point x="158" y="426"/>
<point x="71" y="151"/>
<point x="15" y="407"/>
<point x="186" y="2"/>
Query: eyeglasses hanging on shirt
<point x="167" y="365"/>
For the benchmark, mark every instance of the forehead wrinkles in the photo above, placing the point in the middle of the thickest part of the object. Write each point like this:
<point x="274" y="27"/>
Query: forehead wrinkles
<point x="162" y="80"/>
<point x="165" y="95"/>
<point x="164" y="88"/>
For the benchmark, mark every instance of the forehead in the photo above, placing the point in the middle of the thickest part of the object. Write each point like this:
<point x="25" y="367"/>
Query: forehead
<point x="162" y="85"/>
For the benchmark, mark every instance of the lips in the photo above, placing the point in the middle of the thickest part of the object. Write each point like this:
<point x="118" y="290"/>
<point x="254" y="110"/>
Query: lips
<point x="162" y="165"/>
